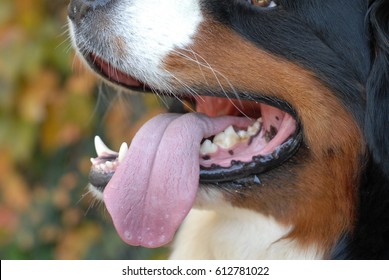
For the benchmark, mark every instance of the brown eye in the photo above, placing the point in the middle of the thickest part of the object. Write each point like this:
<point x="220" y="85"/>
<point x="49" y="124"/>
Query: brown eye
<point x="263" y="3"/>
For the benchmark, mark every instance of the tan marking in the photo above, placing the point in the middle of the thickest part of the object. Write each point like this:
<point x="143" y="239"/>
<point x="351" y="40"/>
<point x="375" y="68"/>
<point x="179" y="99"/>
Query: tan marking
<point x="317" y="195"/>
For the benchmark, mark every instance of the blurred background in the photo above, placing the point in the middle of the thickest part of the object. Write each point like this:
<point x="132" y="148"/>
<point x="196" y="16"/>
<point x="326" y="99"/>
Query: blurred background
<point x="50" y="110"/>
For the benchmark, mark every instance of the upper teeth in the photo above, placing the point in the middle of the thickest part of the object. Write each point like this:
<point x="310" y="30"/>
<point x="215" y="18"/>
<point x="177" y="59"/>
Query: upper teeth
<point x="230" y="137"/>
<point x="103" y="150"/>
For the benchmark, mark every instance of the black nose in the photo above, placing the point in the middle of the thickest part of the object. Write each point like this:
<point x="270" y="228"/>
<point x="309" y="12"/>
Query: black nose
<point x="78" y="9"/>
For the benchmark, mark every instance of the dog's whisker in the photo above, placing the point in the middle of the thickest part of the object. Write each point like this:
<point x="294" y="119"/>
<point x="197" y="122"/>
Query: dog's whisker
<point x="67" y="40"/>
<point x="69" y="49"/>
<point x="82" y="197"/>
<point x="160" y="98"/>
<point x="171" y="91"/>
<point x="90" y="207"/>
<point x="195" y="55"/>
<point x="196" y="61"/>
<point x="66" y="28"/>
<point x="68" y="45"/>
<point x="163" y="99"/>
<point x="188" y="88"/>
<point x="91" y="204"/>
<point x="216" y="74"/>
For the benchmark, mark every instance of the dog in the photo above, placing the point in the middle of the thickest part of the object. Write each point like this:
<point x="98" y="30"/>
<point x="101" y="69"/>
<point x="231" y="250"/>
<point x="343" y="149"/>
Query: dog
<point x="284" y="150"/>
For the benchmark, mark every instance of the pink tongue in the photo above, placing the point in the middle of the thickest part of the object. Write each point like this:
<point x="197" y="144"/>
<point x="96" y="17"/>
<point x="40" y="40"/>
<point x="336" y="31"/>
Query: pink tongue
<point x="155" y="186"/>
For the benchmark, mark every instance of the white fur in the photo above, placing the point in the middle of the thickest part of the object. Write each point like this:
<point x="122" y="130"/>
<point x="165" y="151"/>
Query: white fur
<point x="148" y="30"/>
<point x="236" y="234"/>
<point x="97" y="194"/>
<point x="215" y="229"/>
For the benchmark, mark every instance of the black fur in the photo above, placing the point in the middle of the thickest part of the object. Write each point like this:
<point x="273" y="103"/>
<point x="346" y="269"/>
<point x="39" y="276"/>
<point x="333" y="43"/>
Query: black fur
<point x="377" y="88"/>
<point x="352" y="38"/>
<point x="371" y="238"/>
<point x="300" y="30"/>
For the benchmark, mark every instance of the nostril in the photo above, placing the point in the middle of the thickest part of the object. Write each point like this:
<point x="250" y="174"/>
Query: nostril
<point x="78" y="9"/>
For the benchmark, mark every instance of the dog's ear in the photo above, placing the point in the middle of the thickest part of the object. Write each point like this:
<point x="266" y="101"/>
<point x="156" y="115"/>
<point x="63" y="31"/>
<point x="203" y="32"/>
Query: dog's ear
<point x="377" y="87"/>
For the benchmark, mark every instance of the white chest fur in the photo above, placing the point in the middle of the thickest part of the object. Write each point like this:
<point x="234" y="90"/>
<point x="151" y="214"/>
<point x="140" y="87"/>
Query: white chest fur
<point x="236" y="234"/>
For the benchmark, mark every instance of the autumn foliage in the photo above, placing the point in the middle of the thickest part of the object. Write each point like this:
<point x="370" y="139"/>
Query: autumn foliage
<point x="50" y="110"/>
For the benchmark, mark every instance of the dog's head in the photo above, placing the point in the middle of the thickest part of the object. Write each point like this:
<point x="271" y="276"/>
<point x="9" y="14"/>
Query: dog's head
<point x="293" y="96"/>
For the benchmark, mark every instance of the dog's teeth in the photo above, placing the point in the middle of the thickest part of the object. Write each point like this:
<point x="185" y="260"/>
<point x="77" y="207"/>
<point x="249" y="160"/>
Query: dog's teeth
<point x="101" y="148"/>
<point x="207" y="147"/>
<point x="96" y="162"/>
<point x="107" y="166"/>
<point x="254" y="128"/>
<point x="102" y="167"/>
<point x="230" y="137"/>
<point x="110" y="165"/>
<point x="243" y="135"/>
<point x="227" y="138"/>
<point x="123" y="151"/>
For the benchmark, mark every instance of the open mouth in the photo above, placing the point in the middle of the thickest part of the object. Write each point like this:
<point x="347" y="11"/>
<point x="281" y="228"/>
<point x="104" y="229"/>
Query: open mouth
<point x="267" y="138"/>
<point x="150" y="186"/>
<point x="264" y="138"/>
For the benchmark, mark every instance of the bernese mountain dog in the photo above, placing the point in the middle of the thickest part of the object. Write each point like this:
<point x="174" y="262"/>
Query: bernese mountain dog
<point x="283" y="151"/>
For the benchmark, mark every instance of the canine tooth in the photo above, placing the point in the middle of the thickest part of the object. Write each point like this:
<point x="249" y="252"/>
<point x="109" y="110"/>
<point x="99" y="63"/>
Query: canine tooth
<point x="101" y="148"/>
<point x="207" y="147"/>
<point x="123" y="151"/>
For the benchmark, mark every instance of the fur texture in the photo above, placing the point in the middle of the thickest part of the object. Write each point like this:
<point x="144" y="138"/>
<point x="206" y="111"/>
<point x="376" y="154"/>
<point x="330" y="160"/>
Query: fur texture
<point x="324" y="62"/>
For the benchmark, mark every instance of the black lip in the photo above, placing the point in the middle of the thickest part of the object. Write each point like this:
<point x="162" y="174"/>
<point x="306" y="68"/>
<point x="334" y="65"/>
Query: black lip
<point x="98" y="179"/>
<point x="258" y="165"/>
<point x="97" y="69"/>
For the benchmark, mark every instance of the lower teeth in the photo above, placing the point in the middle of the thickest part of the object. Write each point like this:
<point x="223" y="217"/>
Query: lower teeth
<point x="230" y="137"/>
